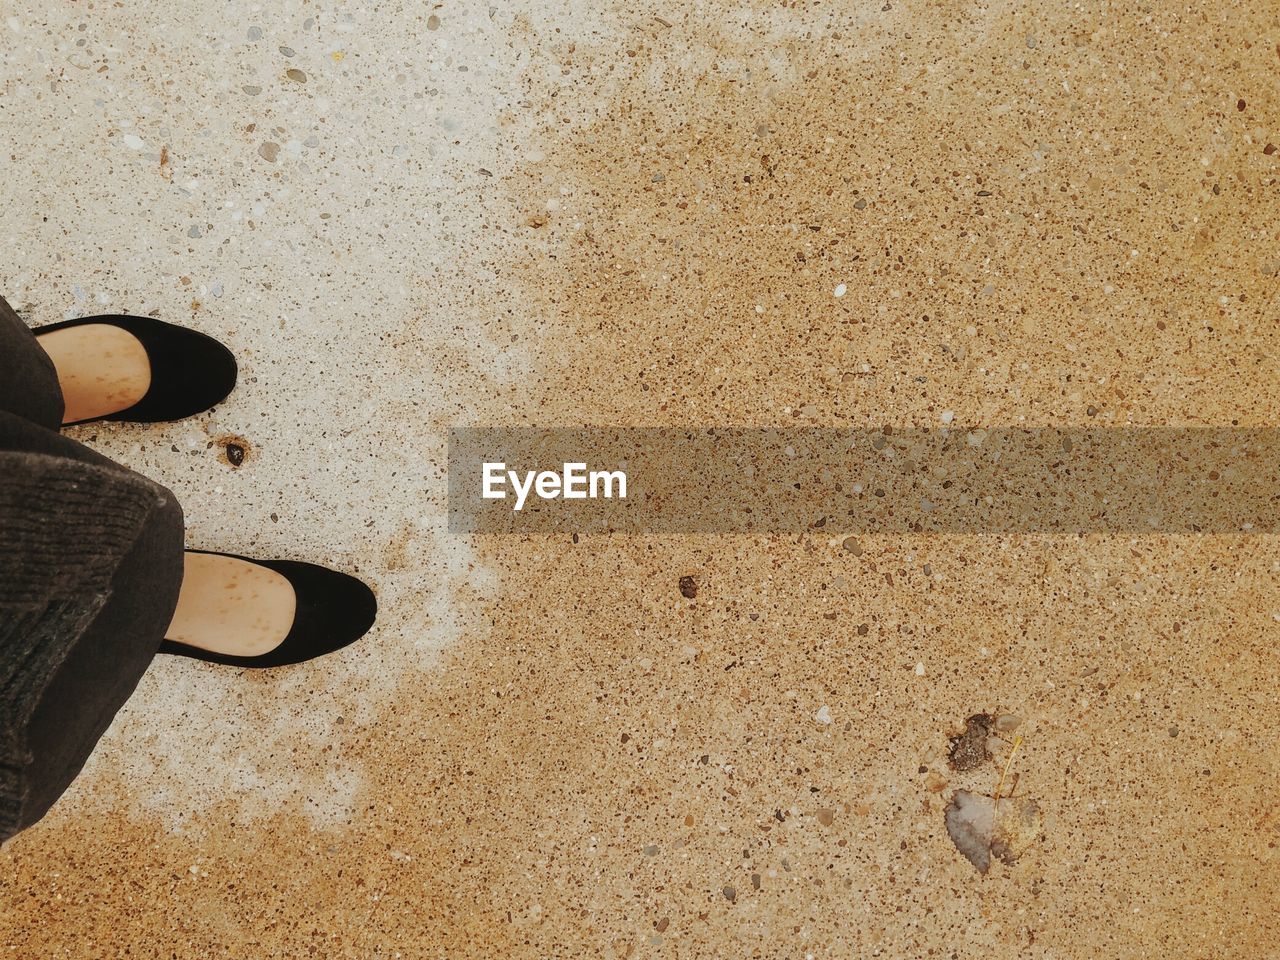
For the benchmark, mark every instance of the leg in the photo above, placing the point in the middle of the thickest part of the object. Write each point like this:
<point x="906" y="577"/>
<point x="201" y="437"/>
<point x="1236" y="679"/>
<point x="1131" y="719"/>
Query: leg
<point x="90" y="569"/>
<point x="109" y="659"/>
<point x="28" y="379"/>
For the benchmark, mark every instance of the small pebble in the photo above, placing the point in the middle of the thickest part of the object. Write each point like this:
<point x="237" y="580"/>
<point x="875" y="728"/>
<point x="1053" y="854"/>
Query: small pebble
<point x="841" y="290"/>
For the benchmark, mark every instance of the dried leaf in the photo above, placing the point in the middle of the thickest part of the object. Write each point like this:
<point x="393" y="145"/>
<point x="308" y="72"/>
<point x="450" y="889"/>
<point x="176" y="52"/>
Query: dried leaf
<point x="980" y="828"/>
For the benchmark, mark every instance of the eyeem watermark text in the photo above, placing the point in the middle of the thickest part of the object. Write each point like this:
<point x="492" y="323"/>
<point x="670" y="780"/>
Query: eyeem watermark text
<point x="573" y="482"/>
<point x="829" y="481"/>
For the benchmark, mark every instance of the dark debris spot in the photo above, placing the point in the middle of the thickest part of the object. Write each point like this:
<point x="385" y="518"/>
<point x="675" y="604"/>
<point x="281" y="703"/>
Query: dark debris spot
<point x="688" y="587"/>
<point x="969" y="749"/>
<point x="235" y="449"/>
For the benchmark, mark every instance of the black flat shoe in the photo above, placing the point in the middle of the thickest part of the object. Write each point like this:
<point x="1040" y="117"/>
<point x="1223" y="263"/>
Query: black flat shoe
<point x="333" y="611"/>
<point x="190" y="372"/>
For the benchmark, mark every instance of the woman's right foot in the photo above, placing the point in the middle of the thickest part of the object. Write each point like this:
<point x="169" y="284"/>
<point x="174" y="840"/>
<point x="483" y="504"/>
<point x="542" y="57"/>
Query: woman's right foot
<point x="139" y="369"/>
<point x="265" y="613"/>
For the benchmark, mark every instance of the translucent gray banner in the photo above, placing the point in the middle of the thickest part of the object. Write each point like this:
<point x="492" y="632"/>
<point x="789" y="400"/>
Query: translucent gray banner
<point x="999" y="480"/>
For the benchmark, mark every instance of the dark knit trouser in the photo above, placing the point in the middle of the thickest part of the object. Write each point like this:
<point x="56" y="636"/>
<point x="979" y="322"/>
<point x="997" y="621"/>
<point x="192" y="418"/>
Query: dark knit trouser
<point x="90" y="568"/>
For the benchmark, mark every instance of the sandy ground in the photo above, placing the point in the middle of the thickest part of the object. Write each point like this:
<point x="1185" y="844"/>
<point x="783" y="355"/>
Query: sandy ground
<point x="404" y="217"/>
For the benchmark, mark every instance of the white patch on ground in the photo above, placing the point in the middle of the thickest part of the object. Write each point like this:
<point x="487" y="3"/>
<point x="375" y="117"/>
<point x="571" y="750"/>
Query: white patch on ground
<point x="349" y="277"/>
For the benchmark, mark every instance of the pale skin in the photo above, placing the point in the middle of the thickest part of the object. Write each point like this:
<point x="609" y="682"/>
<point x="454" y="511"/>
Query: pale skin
<point x="226" y="605"/>
<point x="231" y="606"/>
<point x="101" y="369"/>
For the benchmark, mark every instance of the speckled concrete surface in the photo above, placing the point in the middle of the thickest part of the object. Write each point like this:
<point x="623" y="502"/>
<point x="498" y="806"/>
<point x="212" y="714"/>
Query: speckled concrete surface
<point x="404" y="217"/>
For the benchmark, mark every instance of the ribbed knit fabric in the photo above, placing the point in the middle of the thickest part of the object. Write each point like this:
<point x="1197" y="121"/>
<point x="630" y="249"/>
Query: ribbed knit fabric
<point x="65" y="527"/>
<point x="90" y="570"/>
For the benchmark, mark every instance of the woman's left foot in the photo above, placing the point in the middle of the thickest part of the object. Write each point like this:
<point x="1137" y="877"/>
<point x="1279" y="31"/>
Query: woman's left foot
<point x="138" y="369"/>
<point x="265" y="613"/>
